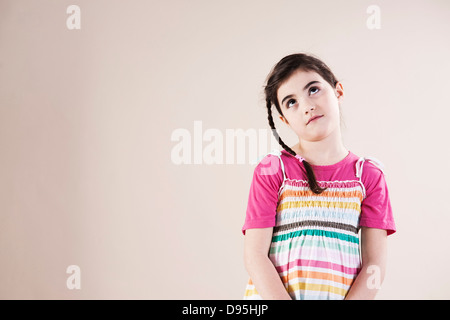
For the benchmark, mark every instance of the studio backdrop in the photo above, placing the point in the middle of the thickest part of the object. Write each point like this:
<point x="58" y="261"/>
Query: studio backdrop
<point x="129" y="132"/>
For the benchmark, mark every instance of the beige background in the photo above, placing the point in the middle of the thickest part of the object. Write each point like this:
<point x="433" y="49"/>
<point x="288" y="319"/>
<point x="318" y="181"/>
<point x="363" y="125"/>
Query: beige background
<point x="86" y="118"/>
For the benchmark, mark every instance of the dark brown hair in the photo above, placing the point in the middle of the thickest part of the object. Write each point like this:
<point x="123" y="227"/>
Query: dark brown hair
<point x="280" y="73"/>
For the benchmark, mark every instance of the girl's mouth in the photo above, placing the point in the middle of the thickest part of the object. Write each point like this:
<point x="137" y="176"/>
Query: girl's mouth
<point x="314" y="118"/>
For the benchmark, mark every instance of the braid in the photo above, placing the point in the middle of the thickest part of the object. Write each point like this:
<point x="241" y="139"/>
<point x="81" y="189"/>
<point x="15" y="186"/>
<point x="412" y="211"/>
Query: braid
<point x="274" y="130"/>
<point x="312" y="179"/>
<point x="309" y="171"/>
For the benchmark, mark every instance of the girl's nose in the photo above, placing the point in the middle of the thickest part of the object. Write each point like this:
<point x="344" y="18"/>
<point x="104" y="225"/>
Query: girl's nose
<point x="310" y="109"/>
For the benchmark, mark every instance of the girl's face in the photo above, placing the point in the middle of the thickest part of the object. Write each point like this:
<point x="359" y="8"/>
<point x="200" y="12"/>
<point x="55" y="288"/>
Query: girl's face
<point x="305" y="95"/>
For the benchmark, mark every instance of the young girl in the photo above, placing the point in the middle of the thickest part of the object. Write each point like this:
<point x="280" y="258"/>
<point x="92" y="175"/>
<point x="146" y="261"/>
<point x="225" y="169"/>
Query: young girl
<point x="308" y="202"/>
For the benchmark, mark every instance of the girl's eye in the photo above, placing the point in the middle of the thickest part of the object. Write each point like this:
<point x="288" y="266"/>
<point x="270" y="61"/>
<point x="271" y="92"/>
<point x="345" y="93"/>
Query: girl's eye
<point x="314" y="88"/>
<point x="288" y="104"/>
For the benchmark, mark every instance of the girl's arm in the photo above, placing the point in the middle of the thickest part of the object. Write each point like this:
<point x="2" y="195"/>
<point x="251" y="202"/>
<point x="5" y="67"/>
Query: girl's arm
<point x="373" y="255"/>
<point x="261" y="270"/>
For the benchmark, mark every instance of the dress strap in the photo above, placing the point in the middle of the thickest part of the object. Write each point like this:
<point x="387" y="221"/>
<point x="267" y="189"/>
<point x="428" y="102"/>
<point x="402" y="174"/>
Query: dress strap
<point x="277" y="153"/>
<point x="359" y="169"/>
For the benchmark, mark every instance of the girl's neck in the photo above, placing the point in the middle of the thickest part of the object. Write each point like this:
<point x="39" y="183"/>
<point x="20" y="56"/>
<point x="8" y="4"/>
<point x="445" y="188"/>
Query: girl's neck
<point x="322" y="155"/>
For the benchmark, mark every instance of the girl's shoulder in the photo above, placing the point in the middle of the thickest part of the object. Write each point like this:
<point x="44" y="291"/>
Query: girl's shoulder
<point x="270" y="165"/>
<point x="370" y="166"/>
<point x="371" y="172"/>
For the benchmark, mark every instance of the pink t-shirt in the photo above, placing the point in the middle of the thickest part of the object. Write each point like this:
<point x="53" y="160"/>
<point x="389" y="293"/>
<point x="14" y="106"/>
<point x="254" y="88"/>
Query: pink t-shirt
<point x="269" y="176"/>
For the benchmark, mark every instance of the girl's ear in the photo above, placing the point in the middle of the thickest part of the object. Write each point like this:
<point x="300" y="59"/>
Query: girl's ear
<point x="284" y="120"/>
<point x="339" y="90"/>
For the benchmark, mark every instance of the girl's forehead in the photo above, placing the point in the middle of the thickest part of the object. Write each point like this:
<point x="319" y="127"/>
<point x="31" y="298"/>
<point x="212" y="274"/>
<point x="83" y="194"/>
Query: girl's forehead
<point x="301" y="76"/>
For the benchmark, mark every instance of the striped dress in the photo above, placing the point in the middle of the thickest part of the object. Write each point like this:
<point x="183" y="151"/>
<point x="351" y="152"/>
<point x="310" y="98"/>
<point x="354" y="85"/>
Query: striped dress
<point x="315" y="242"/>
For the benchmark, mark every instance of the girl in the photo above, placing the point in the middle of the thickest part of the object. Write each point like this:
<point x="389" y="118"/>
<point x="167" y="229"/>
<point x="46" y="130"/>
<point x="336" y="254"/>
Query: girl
<point x="308" y="202"/>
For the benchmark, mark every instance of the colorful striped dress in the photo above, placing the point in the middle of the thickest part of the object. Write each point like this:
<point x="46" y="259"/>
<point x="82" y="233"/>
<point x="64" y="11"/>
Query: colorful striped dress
<point x="315" y="242"/>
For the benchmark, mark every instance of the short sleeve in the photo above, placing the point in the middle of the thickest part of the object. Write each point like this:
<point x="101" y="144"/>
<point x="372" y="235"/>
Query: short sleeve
<point x="376" y="210"/>
<point x="263" y="195"/>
